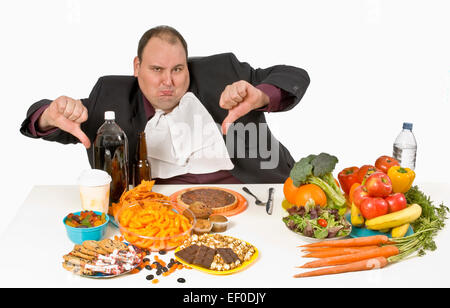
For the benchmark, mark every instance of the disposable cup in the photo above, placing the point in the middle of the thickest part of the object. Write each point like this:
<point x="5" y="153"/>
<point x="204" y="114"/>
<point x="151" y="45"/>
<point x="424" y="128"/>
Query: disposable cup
<point x="94" y="187"/>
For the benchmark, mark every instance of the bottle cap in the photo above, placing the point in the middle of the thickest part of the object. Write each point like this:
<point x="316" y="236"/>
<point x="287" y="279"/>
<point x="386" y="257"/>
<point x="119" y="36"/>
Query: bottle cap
<point x="110" y="115"/>
<point x="94" y="177"/>
<point x="407" y="125"/>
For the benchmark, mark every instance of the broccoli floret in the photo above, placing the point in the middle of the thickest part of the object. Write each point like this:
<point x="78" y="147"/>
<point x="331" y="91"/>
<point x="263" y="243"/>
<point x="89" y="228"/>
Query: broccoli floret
<point x="317" y="169"/>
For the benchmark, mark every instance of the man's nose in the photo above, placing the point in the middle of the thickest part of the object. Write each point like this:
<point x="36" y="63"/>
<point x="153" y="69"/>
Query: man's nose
<point x="167" y="79"/>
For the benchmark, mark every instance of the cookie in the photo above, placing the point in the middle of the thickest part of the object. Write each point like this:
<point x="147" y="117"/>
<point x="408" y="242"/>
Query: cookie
<point x="83" y="250"/>
<point x="75" y="260"/>
<point x="94" y="246"/>
<point x="77" y="269"/>
<point x="110" y="245"/>
<point x="82" y="255"/>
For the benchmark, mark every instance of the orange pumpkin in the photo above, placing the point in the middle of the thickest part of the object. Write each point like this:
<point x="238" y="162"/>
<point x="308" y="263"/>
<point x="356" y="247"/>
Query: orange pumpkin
<point x="301" y="195"/>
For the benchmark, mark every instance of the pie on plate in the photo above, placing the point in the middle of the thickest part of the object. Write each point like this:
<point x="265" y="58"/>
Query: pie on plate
<point x="217" y="199"/>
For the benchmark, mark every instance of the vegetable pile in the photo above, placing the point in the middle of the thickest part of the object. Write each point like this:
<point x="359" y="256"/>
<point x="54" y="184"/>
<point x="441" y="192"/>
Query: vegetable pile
<point x="376" y="195"/>
<point x="315" y="171"/>
<point x="411" y="207"/>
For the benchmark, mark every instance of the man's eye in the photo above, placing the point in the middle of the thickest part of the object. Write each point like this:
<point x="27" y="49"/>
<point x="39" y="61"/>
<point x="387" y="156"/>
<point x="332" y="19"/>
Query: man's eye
<point x="156" y="69"/>
<point x="178" y="69"/>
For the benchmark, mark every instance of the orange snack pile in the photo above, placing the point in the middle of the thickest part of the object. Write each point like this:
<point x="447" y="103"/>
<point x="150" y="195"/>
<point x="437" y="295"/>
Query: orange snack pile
<point x="154" y="225"/>
<point x="137" y="195"/>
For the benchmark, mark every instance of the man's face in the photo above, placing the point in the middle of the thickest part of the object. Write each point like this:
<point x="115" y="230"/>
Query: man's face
<point x="163" y="73"/>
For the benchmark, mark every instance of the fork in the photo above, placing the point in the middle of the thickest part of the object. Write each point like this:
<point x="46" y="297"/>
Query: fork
<point x="257" y="201"/>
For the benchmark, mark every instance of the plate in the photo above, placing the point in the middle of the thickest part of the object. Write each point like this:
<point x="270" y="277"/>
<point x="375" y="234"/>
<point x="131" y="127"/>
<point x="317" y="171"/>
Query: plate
<point x="105" y="276"/>
<point x="363" y="232"/>
<point x="213" y="272"/>
<point x="313" y="239"/>
<point x="241" y="205"/>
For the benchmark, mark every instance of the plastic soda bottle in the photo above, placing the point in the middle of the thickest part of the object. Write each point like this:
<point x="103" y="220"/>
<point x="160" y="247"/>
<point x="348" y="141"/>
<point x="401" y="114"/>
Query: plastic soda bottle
<point x="111" y="155"/>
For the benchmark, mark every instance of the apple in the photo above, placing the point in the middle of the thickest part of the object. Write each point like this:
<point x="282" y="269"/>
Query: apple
<point x="378" y="184"/>
<point x="373" y="207"/>
<point x="365" y="171"/>
<point x="396" y="202"/>
<point x="359" y="194"/>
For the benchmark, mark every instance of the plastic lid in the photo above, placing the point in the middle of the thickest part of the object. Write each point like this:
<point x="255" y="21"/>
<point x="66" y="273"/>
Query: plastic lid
<point x="110" y="115"/>
<point x="407" y="125"/>
<point x="94" y="177"/>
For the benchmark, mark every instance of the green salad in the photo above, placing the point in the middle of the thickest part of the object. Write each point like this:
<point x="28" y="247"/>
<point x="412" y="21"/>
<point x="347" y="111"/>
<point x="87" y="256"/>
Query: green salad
<point x="317" y="222"/>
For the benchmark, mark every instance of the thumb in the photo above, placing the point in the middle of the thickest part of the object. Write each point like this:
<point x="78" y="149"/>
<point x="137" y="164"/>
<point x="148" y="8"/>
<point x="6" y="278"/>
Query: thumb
<point x="229" y="120"/>
<point x="74" y="129"/>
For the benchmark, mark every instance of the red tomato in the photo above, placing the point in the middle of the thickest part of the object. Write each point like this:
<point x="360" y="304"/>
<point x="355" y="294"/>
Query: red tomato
<point x="385" y="162"/>
<point x="396" y="202"/>
<point x="322" y="222"/>
<point x="373" y="207"/>
<point x="365" y="171"/>
<point x="378" y="184"/>
<point x="359" y="194"/>
<point x="347" y="178"/>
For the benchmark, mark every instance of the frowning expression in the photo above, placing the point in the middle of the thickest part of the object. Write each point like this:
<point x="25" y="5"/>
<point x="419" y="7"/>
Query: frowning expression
<point x="162" y="73"/>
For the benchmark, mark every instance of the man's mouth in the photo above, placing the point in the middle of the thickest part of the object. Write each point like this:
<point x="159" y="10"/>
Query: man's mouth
<point x="166" y="92"/>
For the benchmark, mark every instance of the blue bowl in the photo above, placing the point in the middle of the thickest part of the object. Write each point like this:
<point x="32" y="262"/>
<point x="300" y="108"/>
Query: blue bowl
<point x="79" y="235"/>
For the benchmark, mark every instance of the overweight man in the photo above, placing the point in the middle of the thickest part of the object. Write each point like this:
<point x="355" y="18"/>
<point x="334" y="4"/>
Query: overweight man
<point x="203" y="116"/>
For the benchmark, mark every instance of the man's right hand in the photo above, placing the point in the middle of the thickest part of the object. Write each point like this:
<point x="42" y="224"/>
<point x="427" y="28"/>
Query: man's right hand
<point x="67" y="114"/>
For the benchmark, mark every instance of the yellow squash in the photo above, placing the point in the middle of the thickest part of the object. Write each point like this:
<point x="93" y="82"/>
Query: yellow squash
<point x="399" y="231"/>
<point x="392" y="220"/>
<point x="356" y="217"/>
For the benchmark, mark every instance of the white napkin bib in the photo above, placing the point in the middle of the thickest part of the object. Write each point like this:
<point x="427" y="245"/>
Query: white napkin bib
<point x="185" y="140"/>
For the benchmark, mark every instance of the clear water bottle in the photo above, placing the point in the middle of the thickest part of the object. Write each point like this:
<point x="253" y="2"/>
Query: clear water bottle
<point x="111" y="155"/>
<point x="405" y="147"/>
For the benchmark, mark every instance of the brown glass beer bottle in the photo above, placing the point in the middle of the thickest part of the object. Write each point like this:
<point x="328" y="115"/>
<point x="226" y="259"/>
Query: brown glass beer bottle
<point x="142" y="169"/>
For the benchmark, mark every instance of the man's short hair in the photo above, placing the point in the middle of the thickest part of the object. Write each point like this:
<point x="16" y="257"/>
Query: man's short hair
<point x="166" y="33"/>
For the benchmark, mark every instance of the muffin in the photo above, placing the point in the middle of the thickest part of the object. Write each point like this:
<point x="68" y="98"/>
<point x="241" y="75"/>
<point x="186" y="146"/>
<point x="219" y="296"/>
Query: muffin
<point x="200" y="210"/>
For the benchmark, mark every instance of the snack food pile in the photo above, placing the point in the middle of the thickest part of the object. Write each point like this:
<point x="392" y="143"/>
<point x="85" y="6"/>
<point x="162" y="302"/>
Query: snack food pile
<point x="108" y="256"/>
<point x="86" y="219"/>
<point x="215" y="252"/>
<point x="137" y="195"/>
<point x="153" y="225"/>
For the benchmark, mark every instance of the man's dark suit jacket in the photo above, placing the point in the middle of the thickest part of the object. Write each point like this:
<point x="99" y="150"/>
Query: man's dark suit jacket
<point x="208" y="78"/>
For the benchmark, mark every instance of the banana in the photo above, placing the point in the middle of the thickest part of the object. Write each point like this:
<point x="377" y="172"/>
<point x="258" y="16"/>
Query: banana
<point x="392" y="220"/>
<point x="356" y="217"/>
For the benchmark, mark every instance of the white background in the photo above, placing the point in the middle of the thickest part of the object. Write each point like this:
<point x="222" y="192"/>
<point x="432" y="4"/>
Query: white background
<point x="373" y="65"/>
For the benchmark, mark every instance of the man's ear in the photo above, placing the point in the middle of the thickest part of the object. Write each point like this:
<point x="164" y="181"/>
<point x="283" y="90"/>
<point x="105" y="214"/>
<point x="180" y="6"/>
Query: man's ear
<point x="136" y="65"/>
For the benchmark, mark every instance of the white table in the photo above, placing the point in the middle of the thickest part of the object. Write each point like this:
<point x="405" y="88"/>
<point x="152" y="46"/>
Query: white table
<point x="34" y="243"/>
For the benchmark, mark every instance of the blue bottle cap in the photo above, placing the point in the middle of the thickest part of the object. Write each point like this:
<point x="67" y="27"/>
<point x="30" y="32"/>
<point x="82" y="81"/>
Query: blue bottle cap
<point x="407" y="125"/>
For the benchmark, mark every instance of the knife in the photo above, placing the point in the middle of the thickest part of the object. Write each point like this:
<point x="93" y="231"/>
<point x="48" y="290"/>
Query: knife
<point x="269" y="204"/>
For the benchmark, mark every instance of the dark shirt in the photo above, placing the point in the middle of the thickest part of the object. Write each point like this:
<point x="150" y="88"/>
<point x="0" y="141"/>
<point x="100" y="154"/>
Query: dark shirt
<point x="279" y="101"/>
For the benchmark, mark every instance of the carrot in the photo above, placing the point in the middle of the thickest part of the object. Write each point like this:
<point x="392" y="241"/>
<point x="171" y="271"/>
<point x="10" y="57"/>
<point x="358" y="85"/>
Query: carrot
<point x="364" y="265"/>
<point x="337" y="252"/>
<point x="360" y="241"/>
<point x="319" y="249"/>
<point x="385" y="251"/>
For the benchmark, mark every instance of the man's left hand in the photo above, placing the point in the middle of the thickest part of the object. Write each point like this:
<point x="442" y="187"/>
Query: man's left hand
<point x="240" y="98"/>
